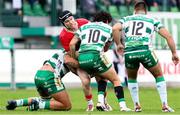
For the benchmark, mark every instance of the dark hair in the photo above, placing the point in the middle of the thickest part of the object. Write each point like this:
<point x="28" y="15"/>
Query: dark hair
<point x="102" y="16"/>
<point x="140" y="4"/>
<point x="64" y="15"/>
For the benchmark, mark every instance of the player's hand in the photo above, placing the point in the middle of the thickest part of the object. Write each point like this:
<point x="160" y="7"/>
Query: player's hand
<point x="175" y="59"/>
<point x="120" y="48"/>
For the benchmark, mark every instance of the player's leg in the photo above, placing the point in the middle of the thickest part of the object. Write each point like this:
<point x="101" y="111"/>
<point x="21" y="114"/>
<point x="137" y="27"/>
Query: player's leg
<point x="134" y="88"/>
<point x="73" y="65"/>
<point x="102" y="93"/>
<point x="49" y="85"/>
<point x="161" y="87"/>
<point x="112" y="76"/>
<point x="60" y="101"/>
<point x="85" y="81"/>
<point x="132" y="66"/>
<point x="12" y="104"/>
<point x="154" y="67"/>
<point x="95" y="63"/>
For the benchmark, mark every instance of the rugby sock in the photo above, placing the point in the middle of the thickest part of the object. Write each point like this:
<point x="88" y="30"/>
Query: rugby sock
<point x="162" y="90"/>
<point x="89" y="99"/>
<point x="22" y="102"/>
<point x="120" y="96"/>
<point x="134" y="91"/>
<point x="25" y="102"/>
<point x="102" y="86"/>
<point x="44" y="104"/>
<point x="101" y="97"/>
<point x="101" y="91"/>
<point x="90" y="102"/>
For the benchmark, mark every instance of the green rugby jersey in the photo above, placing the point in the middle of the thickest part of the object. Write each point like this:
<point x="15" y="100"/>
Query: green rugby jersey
<point x="139" y="30"/>
<point x="57" y="62"/>
<point x="94" y="35"/>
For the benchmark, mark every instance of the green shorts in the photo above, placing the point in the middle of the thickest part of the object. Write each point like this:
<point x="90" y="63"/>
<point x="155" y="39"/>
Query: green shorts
<point x="147" y="58"/>
<point x="47" y="83"/>
<point x="93" y="62"/>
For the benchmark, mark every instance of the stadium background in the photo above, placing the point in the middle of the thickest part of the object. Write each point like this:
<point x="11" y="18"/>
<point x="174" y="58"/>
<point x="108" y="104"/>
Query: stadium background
<point x="29" y="32"/>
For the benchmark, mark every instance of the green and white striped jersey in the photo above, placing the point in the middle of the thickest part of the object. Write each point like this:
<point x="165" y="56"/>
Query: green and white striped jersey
<point x="57" y="62"/>
<point x="94" y="35"/>
<point x="139" y="30"/>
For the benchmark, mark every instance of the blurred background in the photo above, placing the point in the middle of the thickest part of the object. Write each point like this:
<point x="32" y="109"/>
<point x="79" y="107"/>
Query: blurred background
<point x="27" y="21"/>
<point x="29" y="31"/>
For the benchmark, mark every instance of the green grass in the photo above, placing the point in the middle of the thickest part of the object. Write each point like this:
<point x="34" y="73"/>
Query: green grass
<point x="149" y="98"/>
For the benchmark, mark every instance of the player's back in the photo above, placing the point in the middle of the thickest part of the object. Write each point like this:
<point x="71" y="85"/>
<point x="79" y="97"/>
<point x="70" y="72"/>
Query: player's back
<point x="139" y="29"/>
<point x="57" y="62"/>
<point x="94" y="35"/>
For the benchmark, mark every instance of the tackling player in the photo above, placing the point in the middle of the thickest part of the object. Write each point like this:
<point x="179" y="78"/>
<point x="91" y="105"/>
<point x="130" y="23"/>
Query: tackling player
<point x="53" y="95"/>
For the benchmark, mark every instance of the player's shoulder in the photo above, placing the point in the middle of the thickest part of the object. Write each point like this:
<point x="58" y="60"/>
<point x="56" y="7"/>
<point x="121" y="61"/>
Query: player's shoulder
<point x="150" y="17"/>
<point x="124" y="19"/>
<point x="59" y="53"/>
<point x="105" y="25"/>
<point x="137" y="16"/>
<point x="63" y="32"/>
<point x="82" y="21"/>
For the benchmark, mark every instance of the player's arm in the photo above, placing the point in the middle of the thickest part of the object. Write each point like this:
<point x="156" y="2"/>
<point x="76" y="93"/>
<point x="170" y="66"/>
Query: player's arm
<point x="70" y="62"/>
<point x="117" y="28"/>
<point x="107" y="45"/>
<point x="72" y="46"/>
<point x="165" y="34"/>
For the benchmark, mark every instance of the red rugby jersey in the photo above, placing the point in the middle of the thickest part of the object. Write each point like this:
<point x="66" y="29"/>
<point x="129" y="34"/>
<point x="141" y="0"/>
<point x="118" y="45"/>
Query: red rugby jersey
<point x="65" y="36"/>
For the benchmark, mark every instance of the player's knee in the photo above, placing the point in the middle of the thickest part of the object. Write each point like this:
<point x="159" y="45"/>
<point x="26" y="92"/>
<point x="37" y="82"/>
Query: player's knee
<point x="115" y="80"/>
<point x="86" y="83"/>
<point x="67" y="106"/>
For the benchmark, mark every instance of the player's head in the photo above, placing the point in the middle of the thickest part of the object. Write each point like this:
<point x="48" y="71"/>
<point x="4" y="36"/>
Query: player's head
<point x="68" y="20"/>
<point x="102" y="17"/>
<point x="140" y="5"/>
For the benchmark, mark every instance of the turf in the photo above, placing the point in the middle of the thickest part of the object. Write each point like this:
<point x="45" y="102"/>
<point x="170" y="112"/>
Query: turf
<point x="148" y="96"/>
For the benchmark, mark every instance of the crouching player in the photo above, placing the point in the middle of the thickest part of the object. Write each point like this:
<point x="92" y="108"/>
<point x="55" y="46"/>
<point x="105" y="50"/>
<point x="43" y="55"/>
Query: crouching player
<point x="53" y="95"/>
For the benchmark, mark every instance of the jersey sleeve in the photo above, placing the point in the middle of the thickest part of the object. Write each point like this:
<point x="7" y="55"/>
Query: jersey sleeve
<point x="122" y="20"/>
<point x="56" y="61"/>
<point x="157" y="25"/>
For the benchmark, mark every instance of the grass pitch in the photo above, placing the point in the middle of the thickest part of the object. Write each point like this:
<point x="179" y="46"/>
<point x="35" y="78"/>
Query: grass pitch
<point x="149" y="98"/>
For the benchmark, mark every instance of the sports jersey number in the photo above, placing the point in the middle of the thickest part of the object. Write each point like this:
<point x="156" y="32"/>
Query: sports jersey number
<point x="136" y="27"/>
<point x="94" y="36"/>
